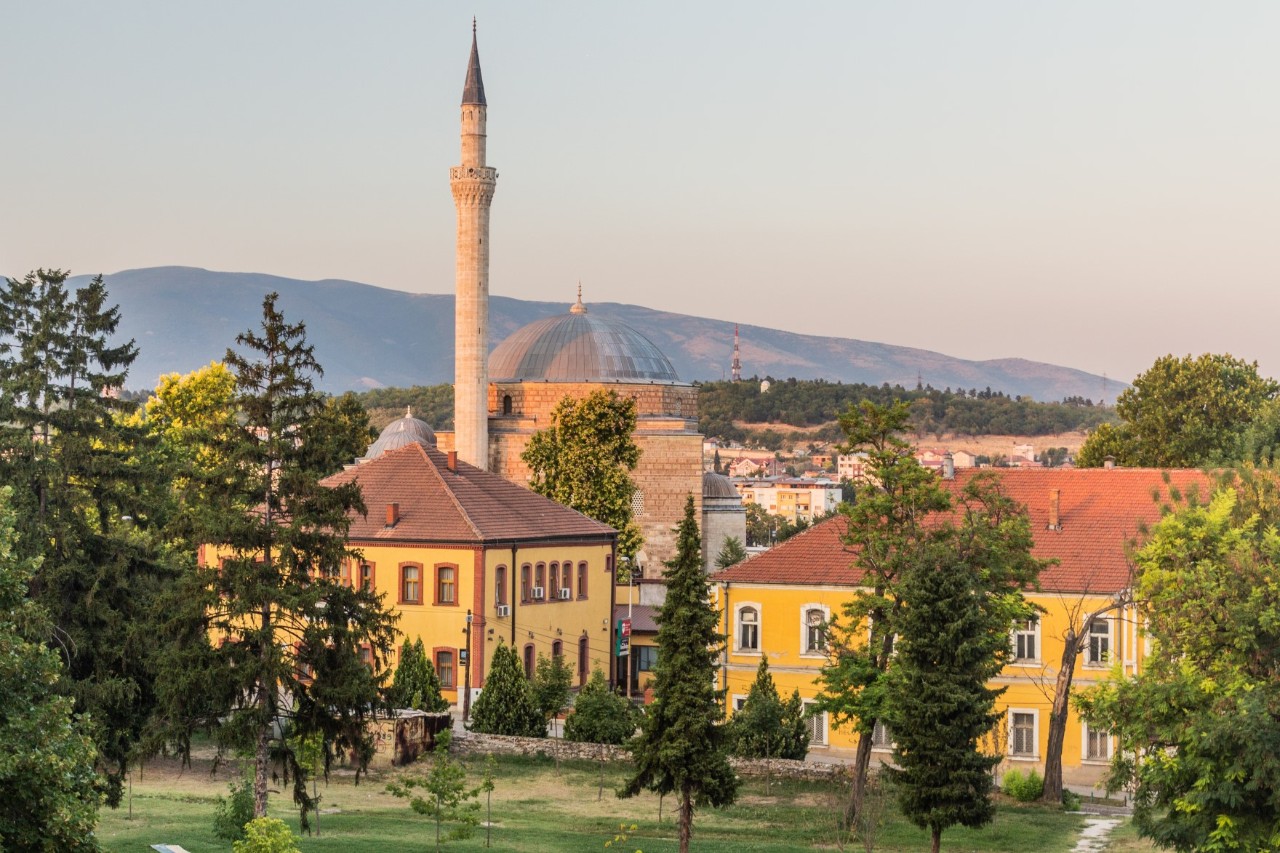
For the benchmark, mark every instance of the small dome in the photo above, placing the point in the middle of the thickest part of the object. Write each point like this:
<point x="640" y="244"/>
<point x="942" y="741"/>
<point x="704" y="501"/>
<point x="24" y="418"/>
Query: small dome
<point x="717" y="486"/>
<point x="400" y="433"/>
<point x="577" y="347"/>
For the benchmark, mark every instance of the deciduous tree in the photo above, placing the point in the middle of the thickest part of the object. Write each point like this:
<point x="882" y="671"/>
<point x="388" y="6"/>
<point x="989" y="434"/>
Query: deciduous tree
<point x="600" y="715"/>
<point x="584" y="459"/>
<point x="1183" y="413"/>
<point x="1196" y="730"/>
<point x="48" y="796"/>
<point x="445" y="796"/>
<point x="552" y="679"/>
<point x="680" y="748"/>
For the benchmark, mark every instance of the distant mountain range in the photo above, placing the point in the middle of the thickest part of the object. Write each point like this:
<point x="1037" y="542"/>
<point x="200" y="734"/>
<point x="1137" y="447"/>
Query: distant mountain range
<point x="366" y="337"/>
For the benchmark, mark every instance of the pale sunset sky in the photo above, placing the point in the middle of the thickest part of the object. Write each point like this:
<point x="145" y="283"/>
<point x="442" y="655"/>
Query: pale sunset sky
<point x="1091" y="184"/>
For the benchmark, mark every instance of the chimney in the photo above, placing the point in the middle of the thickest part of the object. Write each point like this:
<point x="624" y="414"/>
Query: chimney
<point x="1109" y="462"/>
<point x="393" y="514"/>
<point x="1055" y="522"/>
<point x="453" y="461"/>
<point x="948" y="466"/>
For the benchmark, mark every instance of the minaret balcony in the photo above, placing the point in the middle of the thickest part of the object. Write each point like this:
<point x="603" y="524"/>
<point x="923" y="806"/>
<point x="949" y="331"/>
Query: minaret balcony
<point x="473" y="173"/>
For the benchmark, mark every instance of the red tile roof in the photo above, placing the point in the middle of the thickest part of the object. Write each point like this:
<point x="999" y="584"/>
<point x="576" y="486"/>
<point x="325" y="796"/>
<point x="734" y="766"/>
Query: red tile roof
<point x="1100" y="512"/>
<point x="468" y="506"/>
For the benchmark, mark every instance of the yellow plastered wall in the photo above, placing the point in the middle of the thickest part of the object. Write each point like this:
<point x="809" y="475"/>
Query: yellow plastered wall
<point x="1029" y="684"/>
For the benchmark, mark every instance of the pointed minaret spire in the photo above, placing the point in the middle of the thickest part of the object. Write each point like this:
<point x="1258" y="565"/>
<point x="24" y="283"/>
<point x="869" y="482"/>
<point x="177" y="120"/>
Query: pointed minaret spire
<point x="735" y="369"/>
<point x="473" y="182"/>
<point x="578" y="307"/>
<point x="473" y="89"/>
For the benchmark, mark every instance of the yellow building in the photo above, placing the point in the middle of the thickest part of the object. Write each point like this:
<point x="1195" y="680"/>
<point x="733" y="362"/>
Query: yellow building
<point x="466" y="556"/>
<point x="779" y="602"/>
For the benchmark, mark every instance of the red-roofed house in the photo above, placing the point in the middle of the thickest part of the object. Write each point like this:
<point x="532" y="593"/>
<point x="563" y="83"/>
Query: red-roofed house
<point x="444" y="541"/>
<point x="778" y="602"/>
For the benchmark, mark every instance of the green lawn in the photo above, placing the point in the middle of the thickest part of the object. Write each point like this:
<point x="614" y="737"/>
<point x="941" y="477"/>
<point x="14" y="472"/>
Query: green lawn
<point x="537" y="808"/>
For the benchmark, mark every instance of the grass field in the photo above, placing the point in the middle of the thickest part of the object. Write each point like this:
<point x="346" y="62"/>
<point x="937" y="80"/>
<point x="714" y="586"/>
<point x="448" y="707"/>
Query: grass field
<point x="539" y="808"/>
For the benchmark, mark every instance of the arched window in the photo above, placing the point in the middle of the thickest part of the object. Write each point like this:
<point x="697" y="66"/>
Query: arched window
<point x="366" y="576"/>
<point x="506" y="404"/>
<point x="528" y="661"/>
<point x="540" y="578"/>
<point x="446" y="584"/>
<point x="749" y="628"/>
<point x="557" y="649"/>
<point x="584" y="659"/>
<point x="410" y="583"/>
<point x="524" y="581"/>
<point x="566" y="580"/>
<point x="500" y="585"/>
<point x="814" y="625"/>
<point x="582" y="579"/>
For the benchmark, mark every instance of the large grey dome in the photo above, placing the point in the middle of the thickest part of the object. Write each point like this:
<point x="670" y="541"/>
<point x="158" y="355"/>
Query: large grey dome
<point x="718" y="486"/>
<point x="400" y="433"/>
<point x="576" y="347"/>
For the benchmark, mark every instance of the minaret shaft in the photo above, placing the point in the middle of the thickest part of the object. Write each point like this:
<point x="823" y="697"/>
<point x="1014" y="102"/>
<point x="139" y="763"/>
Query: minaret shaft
<point x="473" y="184"/>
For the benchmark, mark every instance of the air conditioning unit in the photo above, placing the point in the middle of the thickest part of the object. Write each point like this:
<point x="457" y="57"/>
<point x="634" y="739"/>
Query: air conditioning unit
<point x="565" y="593"/>
<point x="539" y="593"/>
<point x="504" y="609"/>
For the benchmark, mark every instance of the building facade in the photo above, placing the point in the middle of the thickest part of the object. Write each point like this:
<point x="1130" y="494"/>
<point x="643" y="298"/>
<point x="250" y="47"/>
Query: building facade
<point x="779" y="603"/>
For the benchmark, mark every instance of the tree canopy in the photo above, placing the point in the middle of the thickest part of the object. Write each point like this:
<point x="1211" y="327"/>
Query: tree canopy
<point x="1200" y="717"/>
<point x="600" y="715"/>
<point x="768" y="726"/>
<point x="680" y="749"/>
<point x="1183" y="413"/>
<point x="415" y="684"/>
<point x="506" y="705"/>
<point x="584" y="459"/>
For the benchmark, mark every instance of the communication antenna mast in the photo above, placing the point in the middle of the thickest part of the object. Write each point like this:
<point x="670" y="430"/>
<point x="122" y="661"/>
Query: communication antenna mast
<point x="735" y="368"/>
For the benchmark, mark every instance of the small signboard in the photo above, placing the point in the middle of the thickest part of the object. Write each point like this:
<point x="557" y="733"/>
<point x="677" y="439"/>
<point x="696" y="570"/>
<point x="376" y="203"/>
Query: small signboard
<point x="462" y="657"/>
<point x="624" y="637"/>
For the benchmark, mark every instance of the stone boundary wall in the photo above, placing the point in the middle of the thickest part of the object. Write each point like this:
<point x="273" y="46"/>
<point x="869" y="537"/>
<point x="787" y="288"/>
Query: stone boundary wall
<point x="474" y="743"/>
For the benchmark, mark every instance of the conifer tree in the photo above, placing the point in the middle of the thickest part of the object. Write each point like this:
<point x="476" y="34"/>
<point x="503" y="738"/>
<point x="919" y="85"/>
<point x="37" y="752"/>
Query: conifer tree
<point x="680" y="748"/>
<point x="287" y="634"/>
<point x="600" y="715"/>
<point x="506" y="705"/>
<point x="91" y="507"/>
<point x="953" y="639"/>
<point x="767" y="726"/>
<point x="415" y="684"/>
<point x="731" y="553"/>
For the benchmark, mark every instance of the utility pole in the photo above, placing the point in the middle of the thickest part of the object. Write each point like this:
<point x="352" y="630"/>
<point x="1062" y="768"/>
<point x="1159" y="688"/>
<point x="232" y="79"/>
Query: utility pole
<point x="466" y="678"/>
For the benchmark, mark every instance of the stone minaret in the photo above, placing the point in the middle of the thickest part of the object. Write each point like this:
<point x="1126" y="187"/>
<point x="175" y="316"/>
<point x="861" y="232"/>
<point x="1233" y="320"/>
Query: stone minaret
<point x="473" y="183"/>
<point x="736" y="367"/>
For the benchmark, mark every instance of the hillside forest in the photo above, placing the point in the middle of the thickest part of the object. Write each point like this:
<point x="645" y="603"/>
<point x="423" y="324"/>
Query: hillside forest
<point x="749" y="411"/>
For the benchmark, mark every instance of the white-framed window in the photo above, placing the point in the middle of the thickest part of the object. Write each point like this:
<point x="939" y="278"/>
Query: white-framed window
<point x="817" y="722"/>
<point x="748" y="630"/>
<point x="881" y="737"/>
<point x="1026" y="640"/>
<point x="1095" y="744"/>
<point x="739" y="701"/>
<point x="1098" y="650"/>
<point x="1024" y="733"/>
<point x="813" y="629"/>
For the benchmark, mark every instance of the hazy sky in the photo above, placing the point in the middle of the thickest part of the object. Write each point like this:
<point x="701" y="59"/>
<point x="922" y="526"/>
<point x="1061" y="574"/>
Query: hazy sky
<point x="1091" y="184"/>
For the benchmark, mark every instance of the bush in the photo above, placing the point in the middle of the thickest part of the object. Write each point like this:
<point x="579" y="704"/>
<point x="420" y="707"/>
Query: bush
<point x="1070" y="801"/>
<point x="231" y="814"/>
<point x="600" y="715"/>
<point x="1023" y="787"/>
<point x="266" y="835"/>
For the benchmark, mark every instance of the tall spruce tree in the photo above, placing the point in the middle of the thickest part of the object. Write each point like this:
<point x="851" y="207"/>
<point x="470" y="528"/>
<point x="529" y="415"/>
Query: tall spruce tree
<point x="953" y="640"/>
<point x="506" y="705"/>
<point x="680" y="749"/>
<point x="92" y="508"/>
<point x="286" y="634"/>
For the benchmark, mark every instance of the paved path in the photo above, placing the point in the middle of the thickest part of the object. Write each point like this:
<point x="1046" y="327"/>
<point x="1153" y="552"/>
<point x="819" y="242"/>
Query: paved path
<point x="1093" y="838"/>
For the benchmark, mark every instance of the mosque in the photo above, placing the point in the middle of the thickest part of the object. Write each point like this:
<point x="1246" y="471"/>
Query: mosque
<point x="502" y="398"/>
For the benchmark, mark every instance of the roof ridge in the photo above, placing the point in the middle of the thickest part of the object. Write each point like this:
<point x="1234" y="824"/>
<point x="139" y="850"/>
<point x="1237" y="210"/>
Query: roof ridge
<point x="453" y="498"/>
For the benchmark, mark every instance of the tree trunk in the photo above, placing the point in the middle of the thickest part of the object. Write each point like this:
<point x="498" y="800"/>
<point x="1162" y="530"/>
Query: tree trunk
<point x="261" y="768"/>
<point x="861" y="765"/>
<point x="1058" y="718"/>
<point x="937" y="838"/>
<point x="686" y="816"/>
